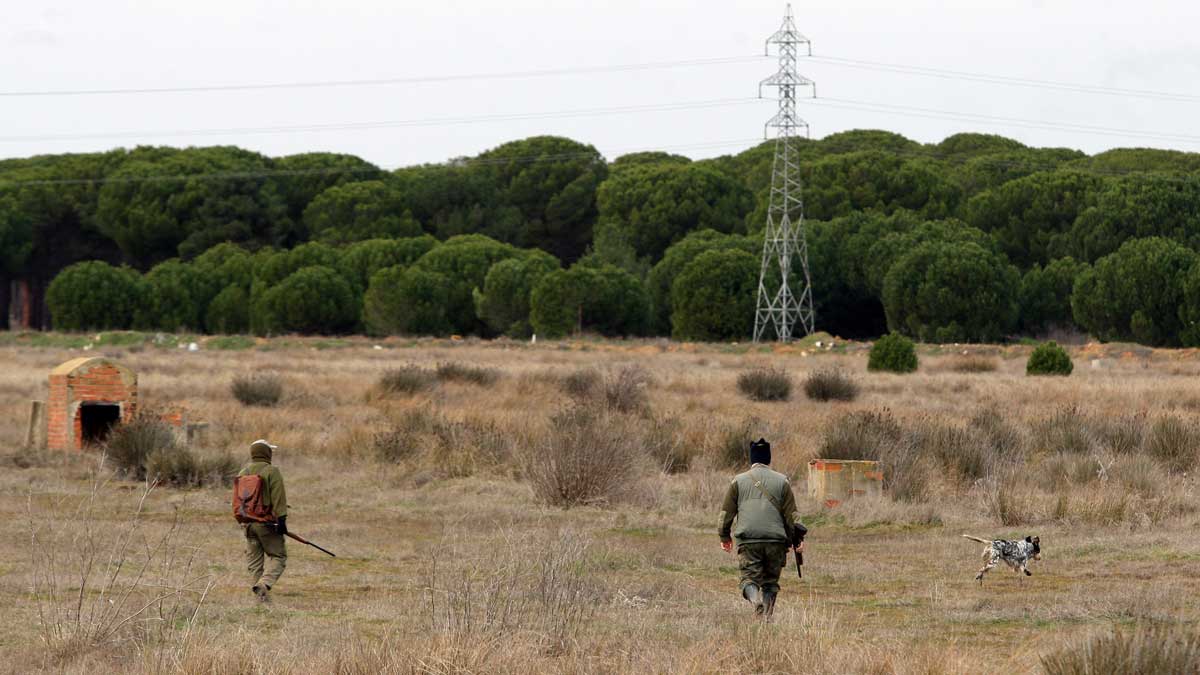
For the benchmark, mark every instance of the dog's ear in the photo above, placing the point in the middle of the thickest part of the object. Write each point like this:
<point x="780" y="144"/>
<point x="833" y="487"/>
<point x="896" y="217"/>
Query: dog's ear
<point x="1029" y="540"/>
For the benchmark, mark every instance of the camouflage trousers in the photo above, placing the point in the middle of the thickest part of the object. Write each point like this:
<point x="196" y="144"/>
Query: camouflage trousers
<point x="761" y="565"/>
<point x="263" y="545"/>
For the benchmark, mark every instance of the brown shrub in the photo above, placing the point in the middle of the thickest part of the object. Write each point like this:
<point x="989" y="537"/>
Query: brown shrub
<point x="1067" y="430"/>
<point x="625" y="390"/>
<point x="582" y="383"/>
<point x="765" y="384"/>
<point x="732" y="448"/>
<point x="587" y="457"/>
<point x="262" y="389"/>
<point x="830" y="384"/>
<point x="131" y="444"/>
<point x="408" y="379"/>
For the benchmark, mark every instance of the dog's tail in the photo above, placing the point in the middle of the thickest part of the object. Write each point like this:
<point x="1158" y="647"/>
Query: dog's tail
<point x="982" y="541"/>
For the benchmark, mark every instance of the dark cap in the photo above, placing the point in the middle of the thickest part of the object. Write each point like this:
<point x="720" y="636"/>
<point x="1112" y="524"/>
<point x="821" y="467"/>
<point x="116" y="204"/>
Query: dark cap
<point x="760" y="452"/>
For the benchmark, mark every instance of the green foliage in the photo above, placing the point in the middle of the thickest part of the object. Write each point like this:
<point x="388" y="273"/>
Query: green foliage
<point x="658" y="204"/>
<point x="274" y="267"/>
<point x="1045" y="295"/>
<point x="312" y="300"/>
<point x="300" y="178"/>
<point x="1135" y="294"/>
<point x="1049" y="359"/>
<point x="952" y="292"/>
<point x="1032" y="217"/>
<point x="359" y="211"/>
<point x="94" y="296"/>
<point x="713" y="297"/>
<point x="360" y="261"/>
<point x="661" y="279"/>
<point x="503" y="303"/>
<point x="1138" y="206"/>
<point x="875" y="180"/>
<point x="229" y="312"/>
<point x="152" y="219"/>
<point x="463" y="263"/>
<point x="608" y="300"/>
<point x="171" y="299"/>
<point x="893" y="353"/>
<point x="407" y="301"/>
<point x="16" y="233"/>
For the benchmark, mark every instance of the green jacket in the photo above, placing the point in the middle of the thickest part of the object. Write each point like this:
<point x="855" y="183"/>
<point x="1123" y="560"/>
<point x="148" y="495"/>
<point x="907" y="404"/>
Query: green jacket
<point x="759" y="519"/>
<point x="273" y="492"/>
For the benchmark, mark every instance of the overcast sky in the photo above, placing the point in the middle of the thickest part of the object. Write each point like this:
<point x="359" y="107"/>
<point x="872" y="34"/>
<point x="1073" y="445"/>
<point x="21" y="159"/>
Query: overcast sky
<point x="54" y="46"/>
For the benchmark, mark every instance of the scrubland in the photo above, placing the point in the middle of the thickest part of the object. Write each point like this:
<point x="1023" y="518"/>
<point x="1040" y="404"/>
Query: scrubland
<point x="502" y="507"/>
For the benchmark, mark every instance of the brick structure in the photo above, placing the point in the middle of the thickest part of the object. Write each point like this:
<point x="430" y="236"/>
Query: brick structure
<point x="87" y="397"/>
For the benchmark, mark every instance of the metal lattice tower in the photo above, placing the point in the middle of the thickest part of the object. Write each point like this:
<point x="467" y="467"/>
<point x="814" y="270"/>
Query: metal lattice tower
<point x="780" y="309"/>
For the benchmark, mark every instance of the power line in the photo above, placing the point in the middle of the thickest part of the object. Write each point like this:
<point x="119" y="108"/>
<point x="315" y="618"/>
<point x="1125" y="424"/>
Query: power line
<point x="422" y="79"/>
<point x="356" y="126"/>
<point x="933" y="113"/>
<point x="942" y="73"/>
<point x="278" y="173"/>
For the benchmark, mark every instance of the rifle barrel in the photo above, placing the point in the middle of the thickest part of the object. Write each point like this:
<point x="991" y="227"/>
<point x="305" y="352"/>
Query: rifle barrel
<point x="302" y="540"/>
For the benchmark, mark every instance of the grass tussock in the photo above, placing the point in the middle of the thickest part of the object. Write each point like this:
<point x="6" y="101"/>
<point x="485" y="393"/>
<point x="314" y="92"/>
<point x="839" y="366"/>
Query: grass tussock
<point x="830" y="384"/>
<point x="455" y="371"/>
<point x="582" y="383"/>
<point x="261" y="389"/>
<point x="585" y="457"/>
<point x="1161" y="648"/>
<point x="765" y="384"/>
<point x="974" y="364"/>
<point x="731" y="448"/>
<point x="626" y="389"/>
<point x="133" y="443"/>
<point x="406" y="380"/>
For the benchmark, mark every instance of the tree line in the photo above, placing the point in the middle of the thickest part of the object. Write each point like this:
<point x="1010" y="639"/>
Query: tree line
<point x="976" y="238"/>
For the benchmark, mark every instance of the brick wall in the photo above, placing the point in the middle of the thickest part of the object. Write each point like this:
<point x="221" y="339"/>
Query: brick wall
<point x="94" y="380"/>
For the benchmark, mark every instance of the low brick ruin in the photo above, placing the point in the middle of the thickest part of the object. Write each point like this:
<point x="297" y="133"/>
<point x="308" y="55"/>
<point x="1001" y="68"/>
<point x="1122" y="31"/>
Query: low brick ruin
<point x="88" y="396"/>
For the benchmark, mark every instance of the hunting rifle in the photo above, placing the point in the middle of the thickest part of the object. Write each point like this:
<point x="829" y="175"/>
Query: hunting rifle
<point x="302" y="540"/>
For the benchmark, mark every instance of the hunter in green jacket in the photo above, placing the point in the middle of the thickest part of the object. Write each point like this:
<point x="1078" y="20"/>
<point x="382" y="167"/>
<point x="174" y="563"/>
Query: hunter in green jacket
<point x="266" y="539"/>
<point x="759" y="513"/>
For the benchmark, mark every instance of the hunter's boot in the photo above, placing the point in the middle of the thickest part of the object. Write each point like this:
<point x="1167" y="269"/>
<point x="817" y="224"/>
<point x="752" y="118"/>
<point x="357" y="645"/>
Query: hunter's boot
<point x="751" y="593"/>
<point x="768" y="603"/>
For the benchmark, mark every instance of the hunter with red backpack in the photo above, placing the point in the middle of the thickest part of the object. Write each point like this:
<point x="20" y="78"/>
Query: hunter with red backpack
<point x="260" y="505"/>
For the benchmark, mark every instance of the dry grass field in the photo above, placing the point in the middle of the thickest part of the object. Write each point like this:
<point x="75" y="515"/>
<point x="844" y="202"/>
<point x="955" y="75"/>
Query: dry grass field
<point x="450" y="560"/>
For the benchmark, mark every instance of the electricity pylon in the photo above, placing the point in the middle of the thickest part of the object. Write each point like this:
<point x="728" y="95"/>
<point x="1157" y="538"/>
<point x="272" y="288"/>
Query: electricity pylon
<point x="780" y="309"/>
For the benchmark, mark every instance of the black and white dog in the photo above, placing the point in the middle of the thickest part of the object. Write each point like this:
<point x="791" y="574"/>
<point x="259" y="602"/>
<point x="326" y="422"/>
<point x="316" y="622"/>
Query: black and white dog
<point x="1016" y="554"/>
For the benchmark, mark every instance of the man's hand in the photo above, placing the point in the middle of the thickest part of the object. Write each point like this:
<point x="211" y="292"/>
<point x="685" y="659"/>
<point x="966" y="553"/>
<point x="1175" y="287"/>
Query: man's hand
<point x="727" y="546"/>
<point x="799" y="548"/>
<point x="281" y="526"/>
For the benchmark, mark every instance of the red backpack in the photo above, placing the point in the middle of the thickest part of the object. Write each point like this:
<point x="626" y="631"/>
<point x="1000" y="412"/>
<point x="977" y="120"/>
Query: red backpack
<point x="248" y="502"/>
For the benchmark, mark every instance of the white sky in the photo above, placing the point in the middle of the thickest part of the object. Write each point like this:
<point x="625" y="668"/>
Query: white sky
<point x="48" y="45"/>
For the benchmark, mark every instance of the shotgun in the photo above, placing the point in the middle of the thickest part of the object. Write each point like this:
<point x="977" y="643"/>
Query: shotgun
<point x="799" y="564"/>
<point x="302" y="540"/>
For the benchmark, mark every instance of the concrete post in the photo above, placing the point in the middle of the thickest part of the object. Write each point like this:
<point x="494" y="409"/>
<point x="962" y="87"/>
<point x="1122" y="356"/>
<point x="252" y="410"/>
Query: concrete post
<point x="35" y="438"/>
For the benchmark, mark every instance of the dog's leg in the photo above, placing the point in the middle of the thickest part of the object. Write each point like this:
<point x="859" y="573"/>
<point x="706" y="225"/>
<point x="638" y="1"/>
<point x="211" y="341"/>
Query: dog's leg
<point x="989" y="564"/>
<point x="1025" y="569"/>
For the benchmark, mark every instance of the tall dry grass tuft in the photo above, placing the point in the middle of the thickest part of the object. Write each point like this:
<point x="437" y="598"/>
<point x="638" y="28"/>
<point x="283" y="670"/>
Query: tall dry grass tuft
<point x="582" y="383"/>
<point x="262" y="389"/>
<point x="1067" y="430"/>
<point x="1151" y="648"/>
<point x="454" y="371"/>
<point x="765" y="384"/>
<point x="408" y="379"/>
<point x="585" y="457"/>
<point x="732" y="443"/>
<point x="625" y="390"/>
<point x="1174" y="441"/>
<point x="98" y="585"/>
<point x="974" y="364"/>
<point x="830" y="384"/>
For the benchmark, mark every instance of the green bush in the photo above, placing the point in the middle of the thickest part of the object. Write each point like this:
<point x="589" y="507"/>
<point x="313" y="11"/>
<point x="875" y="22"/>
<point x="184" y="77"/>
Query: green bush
<point x="1049" y="359"/>
<point x="765" y="384"/>
<point x="407" y="301"/>
<point x="94" y="296"/>
<point x="607" y="299"/>
<point x="172" y="299"/>
<point x="713" y="297"/>
<point x="312" y="300"/>
<point x="229" y="312"/>
<point x="503" y="304"/>
<point x="893" y="353"/>
<point x="952" y="292"/>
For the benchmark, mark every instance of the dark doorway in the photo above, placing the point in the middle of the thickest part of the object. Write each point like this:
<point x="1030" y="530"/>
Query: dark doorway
<point x="97" y="420"/>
